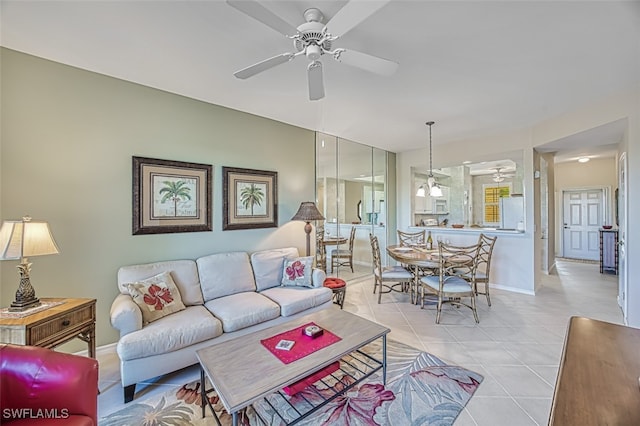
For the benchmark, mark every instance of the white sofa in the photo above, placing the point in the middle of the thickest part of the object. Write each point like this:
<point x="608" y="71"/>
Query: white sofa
<point x="226" y="295"/>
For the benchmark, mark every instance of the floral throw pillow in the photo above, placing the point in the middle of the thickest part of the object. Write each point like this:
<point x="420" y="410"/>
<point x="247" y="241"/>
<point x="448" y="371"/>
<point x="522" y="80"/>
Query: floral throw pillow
<point x="157" y="296"/>
<point x="297" y="272"/>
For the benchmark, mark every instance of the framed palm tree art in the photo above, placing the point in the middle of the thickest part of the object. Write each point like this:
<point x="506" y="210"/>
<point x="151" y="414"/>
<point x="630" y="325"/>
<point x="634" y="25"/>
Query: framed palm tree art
<point x="171" y="196"/>
<point x="250" y="198"/>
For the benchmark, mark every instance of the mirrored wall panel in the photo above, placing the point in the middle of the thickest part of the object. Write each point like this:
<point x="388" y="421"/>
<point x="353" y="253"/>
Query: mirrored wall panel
<point x="351" y="194"/>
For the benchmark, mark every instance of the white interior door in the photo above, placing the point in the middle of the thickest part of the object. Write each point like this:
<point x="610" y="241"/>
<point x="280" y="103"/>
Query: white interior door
<point x="582" y="217"/>
<point x="621" y="216"/>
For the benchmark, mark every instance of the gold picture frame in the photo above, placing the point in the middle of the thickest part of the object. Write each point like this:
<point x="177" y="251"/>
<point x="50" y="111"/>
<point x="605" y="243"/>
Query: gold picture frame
<point x="171" y="196"/>
<point x="250" y="198"/>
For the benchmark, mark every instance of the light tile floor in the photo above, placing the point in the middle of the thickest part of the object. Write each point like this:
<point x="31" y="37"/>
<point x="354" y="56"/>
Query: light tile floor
<point x="516" y="347"/>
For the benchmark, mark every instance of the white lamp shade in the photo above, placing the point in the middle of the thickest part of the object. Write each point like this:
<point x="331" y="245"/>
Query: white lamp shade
<point x="435" y="191"/>
<point x="421" y="192"/>
<point x="25" y="238"/>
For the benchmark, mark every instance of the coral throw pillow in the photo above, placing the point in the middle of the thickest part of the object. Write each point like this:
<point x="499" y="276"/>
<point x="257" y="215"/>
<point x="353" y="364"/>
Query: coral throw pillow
<point x="297" y="272"/>
<point x="157" y="296"/>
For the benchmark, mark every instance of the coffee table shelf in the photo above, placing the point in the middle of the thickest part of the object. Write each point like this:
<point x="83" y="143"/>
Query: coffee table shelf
<point x="357" y="365"/>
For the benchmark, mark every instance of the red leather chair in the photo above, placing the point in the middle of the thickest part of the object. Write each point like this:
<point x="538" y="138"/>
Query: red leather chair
<point x="40" y="387"/>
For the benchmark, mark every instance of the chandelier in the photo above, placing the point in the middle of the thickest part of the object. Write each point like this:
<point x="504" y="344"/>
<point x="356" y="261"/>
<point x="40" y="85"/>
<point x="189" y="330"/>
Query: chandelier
<point x="434" y="188"/>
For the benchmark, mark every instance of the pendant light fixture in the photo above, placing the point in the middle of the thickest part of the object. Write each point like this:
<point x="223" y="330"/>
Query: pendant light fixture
<point x="431" y="185"/>
<point x="434" y="188"/>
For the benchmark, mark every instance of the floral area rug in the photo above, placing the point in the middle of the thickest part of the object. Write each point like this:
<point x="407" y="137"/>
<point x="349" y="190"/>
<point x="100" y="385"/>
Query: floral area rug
<point x="421" y="390"/>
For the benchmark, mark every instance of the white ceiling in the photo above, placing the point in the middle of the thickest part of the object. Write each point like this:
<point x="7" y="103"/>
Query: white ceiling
<point x="476" y="68"/>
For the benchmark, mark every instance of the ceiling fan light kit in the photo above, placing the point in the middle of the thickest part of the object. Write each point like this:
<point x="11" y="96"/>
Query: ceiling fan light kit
<point x="499" y="175"/>
<point x="313" y="40"/>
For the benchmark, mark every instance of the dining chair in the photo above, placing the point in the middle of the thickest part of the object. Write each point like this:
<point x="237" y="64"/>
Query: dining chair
<point x="321" y="251"/>
<point x="483" y="264"/>
<point x="451" y="283"/>
<point x="344" y="257"/>
<point x="383" y="276"/>
<point x="411" y="238"/>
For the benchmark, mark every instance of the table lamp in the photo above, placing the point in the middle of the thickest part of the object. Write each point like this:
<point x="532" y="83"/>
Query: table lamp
<point x="21" y="239"/>
<point x="308" y="212"/>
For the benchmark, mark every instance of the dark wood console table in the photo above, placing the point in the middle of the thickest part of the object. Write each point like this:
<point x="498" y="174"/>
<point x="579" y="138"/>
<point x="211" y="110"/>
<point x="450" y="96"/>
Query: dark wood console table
<point x="597" y="381"/>
<point x="609" y="250"/>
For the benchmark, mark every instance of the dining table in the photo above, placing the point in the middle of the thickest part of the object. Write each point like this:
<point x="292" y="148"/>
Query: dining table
<point x="419" y="258"/>
<point x="334" y="240"/>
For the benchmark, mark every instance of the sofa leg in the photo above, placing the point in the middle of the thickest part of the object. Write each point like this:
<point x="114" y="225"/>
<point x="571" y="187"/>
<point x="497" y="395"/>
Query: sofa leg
<point x="129" y="391"/>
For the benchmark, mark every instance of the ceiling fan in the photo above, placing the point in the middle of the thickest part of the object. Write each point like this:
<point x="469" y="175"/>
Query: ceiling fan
<point x="499" y="176"/>
<point x="314" y="39"/>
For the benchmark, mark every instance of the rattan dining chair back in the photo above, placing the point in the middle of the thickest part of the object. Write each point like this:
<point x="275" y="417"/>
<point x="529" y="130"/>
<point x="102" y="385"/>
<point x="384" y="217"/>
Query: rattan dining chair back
<point x="451" y="284"/>
<point x="344" y="257"/>
<point x="411" y="238"/>
<point x="390" y="274"/>
<point x="321" y="251"/>
<point x="483" y="267"/>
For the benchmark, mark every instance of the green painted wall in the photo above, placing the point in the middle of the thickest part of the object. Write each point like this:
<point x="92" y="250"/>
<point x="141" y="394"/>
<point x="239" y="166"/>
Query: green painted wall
<point x="67" y="138"/>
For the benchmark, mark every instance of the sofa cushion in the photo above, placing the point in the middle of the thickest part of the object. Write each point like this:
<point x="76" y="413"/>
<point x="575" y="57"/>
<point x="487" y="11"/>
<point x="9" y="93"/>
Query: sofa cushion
<point x="224" y="274"/>
<point x="243" y="310"/>
<point x="267" y="266"/>
<point x="183" y="272"/>
<point x="156" y="297"/>
<point x="297" y="272"/>
<point x="296" y="299"/>
<point x="192" y="325"/>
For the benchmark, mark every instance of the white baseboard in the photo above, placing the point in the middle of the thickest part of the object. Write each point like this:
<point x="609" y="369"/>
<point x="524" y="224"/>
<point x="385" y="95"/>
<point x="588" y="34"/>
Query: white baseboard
<point x="512" y="289"/>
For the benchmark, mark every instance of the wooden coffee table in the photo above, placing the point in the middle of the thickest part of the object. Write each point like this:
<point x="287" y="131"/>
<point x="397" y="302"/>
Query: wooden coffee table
<point x="242" y="371"/>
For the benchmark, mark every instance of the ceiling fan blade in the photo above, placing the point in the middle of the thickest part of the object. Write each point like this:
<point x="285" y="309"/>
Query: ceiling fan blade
<point x="351" y="14"/>
<point x="264" y="65"/>
<point x="316" y="83"/>
<point x="264" y="15"/>
<point x="366" y="62"/>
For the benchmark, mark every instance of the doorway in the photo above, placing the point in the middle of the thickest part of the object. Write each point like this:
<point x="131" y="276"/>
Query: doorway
<point x="582" y="217"/>
<point x="621" y="221"/>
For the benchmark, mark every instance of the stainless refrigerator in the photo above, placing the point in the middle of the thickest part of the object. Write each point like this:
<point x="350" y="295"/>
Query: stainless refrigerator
<point x="511" y="212"/>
